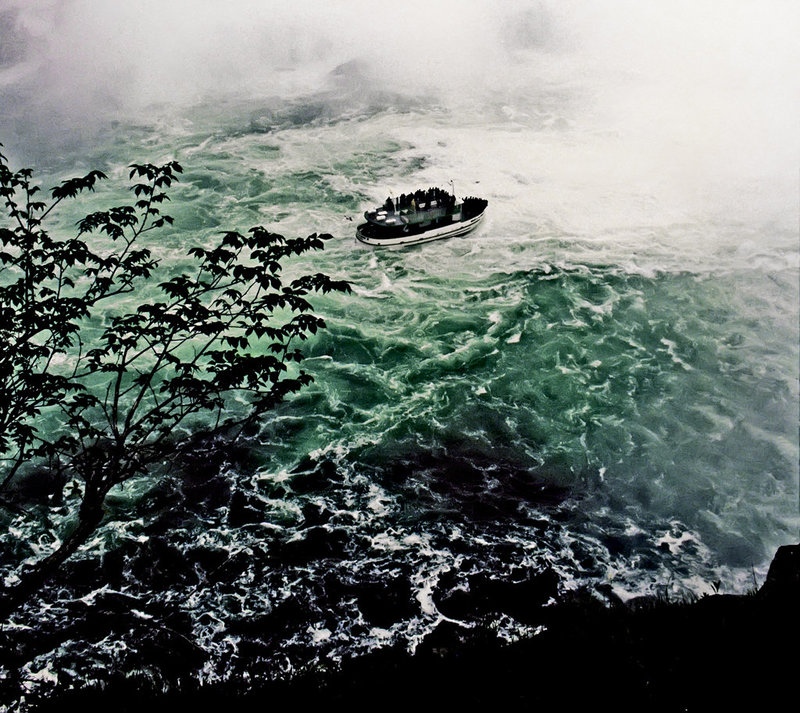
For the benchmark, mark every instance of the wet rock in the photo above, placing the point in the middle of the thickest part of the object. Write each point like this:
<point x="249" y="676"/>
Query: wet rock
<point x="116" y="603"/>
<point x="169" y="521"/>
<point x="479" y="485"/>
<point x="204" y="468"/>
<point x="625" y="545"/>
<point x="204" y="491"/>
<point x="209" y="559"/>
<point x="233" y="566"/>
<point x="314" y="514"/>
<point x="162" y="564"/>
<point x="386" y="603"/>
<point x="38" y="486"/>
<point x="319" y="542"/>
<point x="522" y="599"/>
<point x="259" y="631"/>
<point x="83" y="573"/>
<point x="244" y="510"/>
<point x="449" y="638"/>
<point x="311" y="476"/>
<point x="113" y="564"/>
<point x="783" y="577"/>
<point x="170" y="652"/>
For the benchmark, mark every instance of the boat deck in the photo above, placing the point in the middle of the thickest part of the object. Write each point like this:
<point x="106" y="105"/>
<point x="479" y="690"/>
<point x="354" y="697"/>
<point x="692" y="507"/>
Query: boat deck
<point x="408" y="216"/>
<point x="398" y="234"/>
<point x="420" y="221"/>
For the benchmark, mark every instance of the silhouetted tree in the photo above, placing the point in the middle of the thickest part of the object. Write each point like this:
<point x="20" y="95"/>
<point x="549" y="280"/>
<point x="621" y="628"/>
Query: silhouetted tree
<point x="97" y="396"/>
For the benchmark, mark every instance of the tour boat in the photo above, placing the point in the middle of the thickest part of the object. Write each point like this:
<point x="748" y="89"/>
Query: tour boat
<point x="420" y="217"/>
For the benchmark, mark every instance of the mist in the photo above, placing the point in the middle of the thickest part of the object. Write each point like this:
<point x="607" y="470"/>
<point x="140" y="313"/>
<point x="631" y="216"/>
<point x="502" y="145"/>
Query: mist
<point x="706" y="90"/>
<point x="596" y="388"/>
<point x="127" y="56"/>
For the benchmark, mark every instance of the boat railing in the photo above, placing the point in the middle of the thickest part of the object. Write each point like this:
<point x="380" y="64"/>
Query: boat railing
<point x="410" y="216"/>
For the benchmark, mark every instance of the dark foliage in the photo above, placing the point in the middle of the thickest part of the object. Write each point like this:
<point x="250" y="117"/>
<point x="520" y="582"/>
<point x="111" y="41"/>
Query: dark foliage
<point x="95" y="405"/>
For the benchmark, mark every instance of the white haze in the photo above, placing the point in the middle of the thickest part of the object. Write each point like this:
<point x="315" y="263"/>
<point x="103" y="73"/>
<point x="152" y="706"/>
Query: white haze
<point x="705" y="91"/>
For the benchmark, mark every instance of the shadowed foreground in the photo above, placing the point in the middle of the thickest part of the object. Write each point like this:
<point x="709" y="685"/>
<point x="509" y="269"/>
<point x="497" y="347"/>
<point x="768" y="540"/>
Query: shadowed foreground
<point x="721" y="652"/>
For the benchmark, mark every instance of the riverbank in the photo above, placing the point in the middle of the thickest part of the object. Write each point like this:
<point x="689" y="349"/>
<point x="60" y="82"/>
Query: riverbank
<point x="720" y="652"/>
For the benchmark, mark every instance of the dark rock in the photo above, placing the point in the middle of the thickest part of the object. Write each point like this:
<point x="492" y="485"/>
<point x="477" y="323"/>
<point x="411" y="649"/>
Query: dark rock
<point x="167" y="522"/>
<point x="314" y="477"/>
<point x="448" y="638"/>
<point x="161" y="563"/>
<point x="117" y="603"/>
<point x="206" y="490"/>
<point x="314" y="514"/>
<point x="483" y="486"/>
<point x="261" y="629"/>
<point x="520" y="599"/>
<point x="38" y="486"/>
<point x="83" y="573"/>
<point x="317" y="543"/>
<point x="721" y="652"/>
<point x="626" y="546"/>
<point x="232" y="567"/>
<point x="113" y="564"/>
<point x="783" y="577"/>
<point x="170" y="652"/>
<point x="244" y="510"/>
<point x="208" y="558"/>
<point x="386" y="603"/>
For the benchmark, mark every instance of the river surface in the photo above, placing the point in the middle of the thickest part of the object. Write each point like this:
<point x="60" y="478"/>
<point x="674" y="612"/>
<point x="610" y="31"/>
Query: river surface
<point x="600" y="383"/>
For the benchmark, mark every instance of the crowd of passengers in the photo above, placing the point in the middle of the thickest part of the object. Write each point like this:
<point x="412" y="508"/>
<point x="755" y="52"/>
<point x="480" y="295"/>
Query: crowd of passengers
<point x="420" y="199"/>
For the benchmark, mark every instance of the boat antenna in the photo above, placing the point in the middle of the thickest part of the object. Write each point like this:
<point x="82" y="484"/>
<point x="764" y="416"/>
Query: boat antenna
<point x="452" y="188"/>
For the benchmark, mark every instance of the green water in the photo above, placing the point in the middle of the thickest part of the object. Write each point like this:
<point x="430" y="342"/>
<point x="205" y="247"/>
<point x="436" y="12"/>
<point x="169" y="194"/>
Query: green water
<point x="601" y="382"/>
<point x="665" y="396"/>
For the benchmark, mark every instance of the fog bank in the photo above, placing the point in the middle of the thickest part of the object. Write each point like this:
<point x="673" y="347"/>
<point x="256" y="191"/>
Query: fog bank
<point x="706" y="88"/>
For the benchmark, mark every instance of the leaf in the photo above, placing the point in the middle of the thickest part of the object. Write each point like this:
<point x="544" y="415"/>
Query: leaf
<point x="71" y="187"/>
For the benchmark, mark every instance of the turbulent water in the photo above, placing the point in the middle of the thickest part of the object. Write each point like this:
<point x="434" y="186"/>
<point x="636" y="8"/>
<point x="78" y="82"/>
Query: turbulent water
<point x="600" y="383"/>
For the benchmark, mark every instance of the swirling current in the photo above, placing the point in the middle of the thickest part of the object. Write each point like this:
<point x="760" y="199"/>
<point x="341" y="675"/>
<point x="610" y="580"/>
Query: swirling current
<point x="596" y="389"/>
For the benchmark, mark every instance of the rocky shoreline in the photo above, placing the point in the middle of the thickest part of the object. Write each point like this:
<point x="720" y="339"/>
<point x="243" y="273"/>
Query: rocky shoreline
<point x="719" y="652"/>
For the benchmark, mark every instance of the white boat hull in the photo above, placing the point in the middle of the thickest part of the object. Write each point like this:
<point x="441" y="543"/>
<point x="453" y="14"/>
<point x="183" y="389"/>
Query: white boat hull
<point x="446" y="231"/>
